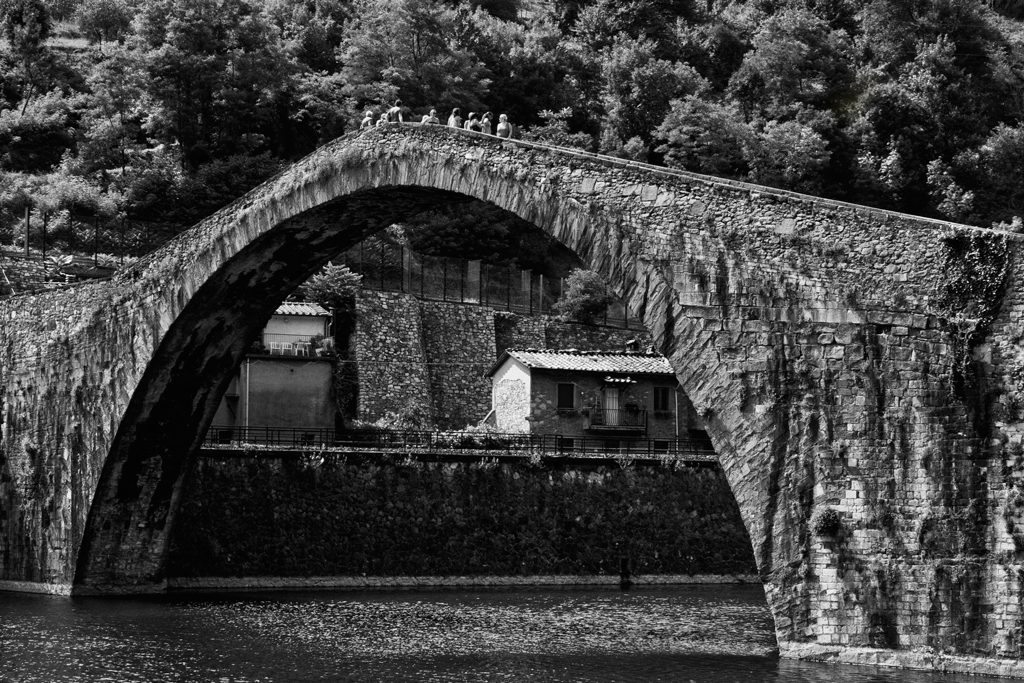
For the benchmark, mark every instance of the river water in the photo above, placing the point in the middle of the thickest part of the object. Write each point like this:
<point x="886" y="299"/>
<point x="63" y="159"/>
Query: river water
<point x="707" y="634"/>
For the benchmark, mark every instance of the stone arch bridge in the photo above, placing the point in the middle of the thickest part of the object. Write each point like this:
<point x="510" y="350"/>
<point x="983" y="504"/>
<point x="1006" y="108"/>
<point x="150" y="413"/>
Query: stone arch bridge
<point x="859" y="372"/>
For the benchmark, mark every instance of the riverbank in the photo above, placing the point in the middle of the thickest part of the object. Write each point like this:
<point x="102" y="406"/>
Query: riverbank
<point x="274" y="583"/>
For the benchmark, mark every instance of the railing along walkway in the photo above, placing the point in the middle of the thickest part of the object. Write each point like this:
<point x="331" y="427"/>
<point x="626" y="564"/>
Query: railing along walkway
<point x="436" y="443"/>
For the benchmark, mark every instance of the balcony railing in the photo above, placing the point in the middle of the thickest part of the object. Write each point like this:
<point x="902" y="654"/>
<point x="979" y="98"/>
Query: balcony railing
<point x="618" y="418"/>
<point x="294" y="345"/>
<point x="488" y="444"/>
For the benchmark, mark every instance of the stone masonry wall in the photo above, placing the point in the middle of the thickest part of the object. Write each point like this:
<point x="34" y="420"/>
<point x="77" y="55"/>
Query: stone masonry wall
<point x="566" y="335"/>
<point x="514" y="331"/>
<point x="275" y="517"/>
<point x="443" y="350"/>
<point x="459" y="343"/>
<point x="391" y="360"/>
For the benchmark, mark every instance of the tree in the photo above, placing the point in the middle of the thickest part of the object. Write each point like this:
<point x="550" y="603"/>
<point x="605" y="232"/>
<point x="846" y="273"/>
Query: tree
<point x="585" y="299"/>
<point x="314" y="29"/>
<point x="115" y="111"/>
<point x="36" y="138"/>
<point x="334" y="288"/>
<point x="218" y="71"/>
<point x="714" y="49"/>
<point x="796" y="58"/>
<point x="25" y="25"/>
<point x="788" y="155"/>
<point x="555" y="131"/>
<point x="320" y="110"/>
<point x="995" y="174"/>
<point x="707" y="137"/>
<point x="1010" y="8"/>
<point x="930" y="110"/>
<point x="600" y="25"/>
<point x="638" y="87"/>
<point x="409" y="50"/>
<point x="530" y="67"/>
<point x="104" y="20"/>
<point x="952" y="201"/>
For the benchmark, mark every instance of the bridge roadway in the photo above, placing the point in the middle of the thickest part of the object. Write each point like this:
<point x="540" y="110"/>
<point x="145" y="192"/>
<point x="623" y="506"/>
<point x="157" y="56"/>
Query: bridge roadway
<point x="859" y="371"/>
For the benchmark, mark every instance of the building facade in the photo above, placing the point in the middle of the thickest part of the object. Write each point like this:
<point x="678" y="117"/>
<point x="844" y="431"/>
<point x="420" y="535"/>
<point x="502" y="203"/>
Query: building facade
<point x="285" y="380"/>
<point x="584" y="394"/>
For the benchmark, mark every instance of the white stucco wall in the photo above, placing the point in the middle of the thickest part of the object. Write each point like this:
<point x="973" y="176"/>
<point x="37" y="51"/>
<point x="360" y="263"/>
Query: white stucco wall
<point x="510" y="397"/>
<point x="299" y="325"/>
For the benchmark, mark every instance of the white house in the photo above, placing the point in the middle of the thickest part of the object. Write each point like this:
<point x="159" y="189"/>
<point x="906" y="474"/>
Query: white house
<point x="285" y="379"/>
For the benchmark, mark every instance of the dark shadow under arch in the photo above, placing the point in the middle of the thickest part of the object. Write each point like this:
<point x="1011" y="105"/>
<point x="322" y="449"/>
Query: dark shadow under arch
<point x="176" y="399"/>
<point x="126" y="540"/>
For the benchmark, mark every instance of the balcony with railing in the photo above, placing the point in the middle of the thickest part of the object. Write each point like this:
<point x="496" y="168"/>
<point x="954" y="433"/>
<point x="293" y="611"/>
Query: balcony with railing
<point x="295" y="345"/>
<point x="625" y="419"/>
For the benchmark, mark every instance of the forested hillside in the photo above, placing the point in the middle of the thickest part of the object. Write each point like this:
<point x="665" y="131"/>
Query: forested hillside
<point x="155" y="113"/>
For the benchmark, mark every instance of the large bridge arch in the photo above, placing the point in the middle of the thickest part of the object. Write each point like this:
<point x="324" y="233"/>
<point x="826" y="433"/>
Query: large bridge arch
<point x="809" y="333"/>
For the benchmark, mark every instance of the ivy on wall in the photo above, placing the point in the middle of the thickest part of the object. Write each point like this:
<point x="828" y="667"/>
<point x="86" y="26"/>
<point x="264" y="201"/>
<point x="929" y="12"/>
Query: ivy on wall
<point x="977" y="267"/>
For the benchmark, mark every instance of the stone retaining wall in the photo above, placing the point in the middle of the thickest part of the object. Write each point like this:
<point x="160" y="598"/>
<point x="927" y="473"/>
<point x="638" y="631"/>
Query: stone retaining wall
<point x="251" y="517"/>
<point x="391" y="360"/>
<point x="432" y="356"/>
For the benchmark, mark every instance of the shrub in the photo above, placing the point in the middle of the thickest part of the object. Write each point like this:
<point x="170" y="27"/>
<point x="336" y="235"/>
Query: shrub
<point x="586" y="297"/>
<point x="333" y="287"/>
<point x="826" y="521"/>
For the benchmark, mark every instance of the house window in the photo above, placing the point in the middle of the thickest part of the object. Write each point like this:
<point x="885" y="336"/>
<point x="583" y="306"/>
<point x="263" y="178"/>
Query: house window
<point x="566" y="396"/>
<point x="662" y="399"/>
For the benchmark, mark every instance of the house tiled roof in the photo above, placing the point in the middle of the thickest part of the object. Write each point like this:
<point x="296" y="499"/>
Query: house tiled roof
<point x="300" y="308"/>
<point x="589" y="361"/>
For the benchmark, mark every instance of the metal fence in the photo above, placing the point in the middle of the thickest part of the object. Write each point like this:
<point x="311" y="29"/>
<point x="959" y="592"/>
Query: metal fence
<point x="488" y="443"/>
<point x="394" y="268"/>
<point x="617" y="417"/>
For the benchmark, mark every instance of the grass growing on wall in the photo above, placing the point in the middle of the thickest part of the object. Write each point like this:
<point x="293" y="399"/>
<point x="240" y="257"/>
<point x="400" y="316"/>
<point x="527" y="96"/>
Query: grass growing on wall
<point x="273" y="518"/>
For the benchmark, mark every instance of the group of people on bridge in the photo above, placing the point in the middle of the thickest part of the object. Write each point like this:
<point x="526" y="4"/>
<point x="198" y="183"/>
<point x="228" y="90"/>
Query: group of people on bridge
<point x="476" y="122"/>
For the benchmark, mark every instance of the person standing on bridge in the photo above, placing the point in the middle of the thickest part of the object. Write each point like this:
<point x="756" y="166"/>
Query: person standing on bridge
<point x="455" y="120"/>
<point x="486" y="123"/>
<point x="367" y="120"/>
<point x="473" y="123"/>
<point x="430" y="118"/>
<point x="395" y="113"/>
<point x="504" y="127"/>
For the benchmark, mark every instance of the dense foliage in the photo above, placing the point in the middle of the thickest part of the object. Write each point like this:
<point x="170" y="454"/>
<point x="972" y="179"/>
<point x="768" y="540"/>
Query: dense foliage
<point x="158" y="112"/>
<point x="586" y="297"/>
<point x="334" y="288"/>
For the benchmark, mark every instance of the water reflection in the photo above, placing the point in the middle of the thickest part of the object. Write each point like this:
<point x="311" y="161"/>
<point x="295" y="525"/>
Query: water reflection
<point x="720" y="634"/>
